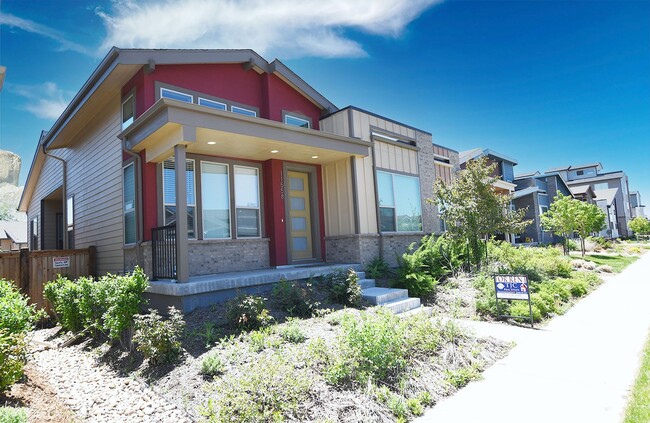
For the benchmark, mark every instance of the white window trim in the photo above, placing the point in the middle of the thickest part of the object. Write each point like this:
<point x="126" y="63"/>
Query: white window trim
<point x="130" y="97"/>
<point x="286" y="116"/>
<point x="233" y="107"/>
<point x="230" y="182"/>
<point x="259" y="201"/>
<point x="200" y="99"/>
<point x="162" y="89"/>
<point x="188" y="204"/>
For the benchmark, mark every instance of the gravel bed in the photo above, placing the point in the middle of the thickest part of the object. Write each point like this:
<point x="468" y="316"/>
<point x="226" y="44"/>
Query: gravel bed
<point x="95" y="392"/>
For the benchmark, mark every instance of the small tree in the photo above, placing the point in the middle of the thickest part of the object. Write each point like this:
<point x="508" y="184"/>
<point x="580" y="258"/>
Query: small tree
<point x="473" y="209"/>
<point x="590" y="219"/>
<point x="640" y="225"/>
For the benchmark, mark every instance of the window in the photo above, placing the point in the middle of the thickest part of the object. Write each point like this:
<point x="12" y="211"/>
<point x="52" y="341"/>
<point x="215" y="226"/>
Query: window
<point x="70" y="222"/>
<point x="602" y="185"/>
<point x="580" y="172"/>
<point x="242" y="111"/>
<point x="33" y="228"/>
<point x="212" y="104"/>
<point x="175" y="95"/>
<point x="128" y="111"/>
<point x="247" y="201"/>
<point x="296" y="121"/>
<point x="400" y="207"/>
<point x="130" y="226"/>
<point x="543" y="209"/>
<point x="215" y="198"/>
<point x="169" y="194"/>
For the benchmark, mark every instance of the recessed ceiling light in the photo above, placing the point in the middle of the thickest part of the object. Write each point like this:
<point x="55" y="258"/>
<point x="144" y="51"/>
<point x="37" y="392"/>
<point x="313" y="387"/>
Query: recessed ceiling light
<point x="314" y="157"/>
<point x="274" y="151"/>
<point x="212" y="142"/>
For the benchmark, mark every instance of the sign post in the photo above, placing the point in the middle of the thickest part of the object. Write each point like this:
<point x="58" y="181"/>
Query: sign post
<point x="512" y="287"/>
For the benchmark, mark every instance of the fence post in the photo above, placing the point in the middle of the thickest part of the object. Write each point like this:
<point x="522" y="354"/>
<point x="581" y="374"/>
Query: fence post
<point x="92" y="262"/>
<point x="24" y="271"/>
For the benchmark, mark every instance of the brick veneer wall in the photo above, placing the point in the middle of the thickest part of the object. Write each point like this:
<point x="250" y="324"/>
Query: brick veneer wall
<point x="231" y="255"/>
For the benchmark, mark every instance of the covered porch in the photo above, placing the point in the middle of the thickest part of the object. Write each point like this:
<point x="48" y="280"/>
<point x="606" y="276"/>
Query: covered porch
<point x="250" y="196"/>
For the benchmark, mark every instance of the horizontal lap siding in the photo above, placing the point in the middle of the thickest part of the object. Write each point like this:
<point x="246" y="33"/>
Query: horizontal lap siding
<point x="95" y="180"/>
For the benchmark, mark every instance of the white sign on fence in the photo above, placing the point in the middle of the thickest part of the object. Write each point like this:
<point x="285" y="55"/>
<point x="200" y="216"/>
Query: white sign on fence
<point x="60" y="262"/>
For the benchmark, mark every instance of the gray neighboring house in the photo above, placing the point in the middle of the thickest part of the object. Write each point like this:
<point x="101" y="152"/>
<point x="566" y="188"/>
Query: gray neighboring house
<point x="13" y="236"/>
<point x="601" y="182"/>
<point x="535" y="193"/>
<point x="636" y="206"/>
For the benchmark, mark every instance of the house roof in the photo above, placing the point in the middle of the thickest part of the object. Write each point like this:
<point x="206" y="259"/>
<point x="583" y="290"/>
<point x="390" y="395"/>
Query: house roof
<point x="572" y="167"/>
<point x="606" y="195"/>
<point x="475" y="153"/>
<point x="359" y="109"/>
<point x="558" y="169"/>
<point x="15" y="231"/>
<point x="600" y="177"/>
<point x="581" y="189"/>
<point x="527" y="175"/>
<point x="525" y="192"/>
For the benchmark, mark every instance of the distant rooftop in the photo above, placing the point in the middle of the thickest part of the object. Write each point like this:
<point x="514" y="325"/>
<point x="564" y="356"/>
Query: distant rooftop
<point x="475" y="153"/>
<point x="15" y="231"/>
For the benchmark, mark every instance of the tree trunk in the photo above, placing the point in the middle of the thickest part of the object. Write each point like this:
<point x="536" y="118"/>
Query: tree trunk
<point x="582" y="246"/>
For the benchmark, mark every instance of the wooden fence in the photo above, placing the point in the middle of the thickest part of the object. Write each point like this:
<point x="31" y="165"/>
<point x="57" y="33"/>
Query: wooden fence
<point x="31" y="270"/>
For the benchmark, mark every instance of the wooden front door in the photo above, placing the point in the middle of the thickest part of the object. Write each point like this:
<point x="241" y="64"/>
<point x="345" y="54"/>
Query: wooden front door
<point x="299" y="217"/>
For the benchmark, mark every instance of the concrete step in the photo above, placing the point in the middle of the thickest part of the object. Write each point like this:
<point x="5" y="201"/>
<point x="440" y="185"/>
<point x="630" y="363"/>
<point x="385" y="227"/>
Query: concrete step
<point x="381" y="296"/>
<point x="362" y="275"/>
<point x="366" y="283"/>
<point x="422" y="309"/>
<point x="402" y="305"/>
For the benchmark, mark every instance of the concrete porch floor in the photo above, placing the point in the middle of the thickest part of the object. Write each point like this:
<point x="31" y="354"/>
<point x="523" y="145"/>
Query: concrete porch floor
<point x="204" y="290"/>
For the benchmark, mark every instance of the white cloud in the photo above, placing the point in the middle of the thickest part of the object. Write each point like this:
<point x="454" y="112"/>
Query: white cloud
<point x="36" y="28"/>
<point x="287" y="28"/>
<point x="46" y="101"/>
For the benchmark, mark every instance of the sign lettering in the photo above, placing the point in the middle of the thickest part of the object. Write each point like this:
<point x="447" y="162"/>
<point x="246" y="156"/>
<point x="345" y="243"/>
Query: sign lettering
<point x="60" y="262"/>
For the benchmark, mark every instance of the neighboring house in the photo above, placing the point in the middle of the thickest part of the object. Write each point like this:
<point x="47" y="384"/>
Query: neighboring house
<point x="637" y="207"/>
<point x="13" y="236"/>
<point x="591" y="174"/>
<point x="606" y="200"/>
<point x="535" y="192"/>
<point x="272" y="173"/>
<point x="504" y="171"/>
<point x="584" y="193"/>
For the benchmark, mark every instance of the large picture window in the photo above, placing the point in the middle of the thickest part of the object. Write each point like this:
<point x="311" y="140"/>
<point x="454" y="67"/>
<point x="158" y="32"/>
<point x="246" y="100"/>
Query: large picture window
<point x="247" y="201"/>
<point x="400" y="203"/>
<point x="169" y="194"/>
<point x="215" y="198"/>
<point x="130" y="229"/>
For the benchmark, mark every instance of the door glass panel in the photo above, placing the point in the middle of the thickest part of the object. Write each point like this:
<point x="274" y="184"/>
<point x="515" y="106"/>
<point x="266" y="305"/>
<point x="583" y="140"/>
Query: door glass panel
<point x="297" y="184"/>
<point x="300" y="243"/>
<point x="298" y="223"/>
<point x="297" y="203"/>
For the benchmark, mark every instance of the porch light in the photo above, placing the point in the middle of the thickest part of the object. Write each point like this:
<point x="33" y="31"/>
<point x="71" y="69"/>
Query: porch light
<point x="275" y="151"/>
<point x="314" y="157"/>
<point x="212" y="142"/>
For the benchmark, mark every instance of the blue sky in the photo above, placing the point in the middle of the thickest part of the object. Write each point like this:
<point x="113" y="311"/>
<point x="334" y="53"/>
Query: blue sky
<point x="546" y="82"/>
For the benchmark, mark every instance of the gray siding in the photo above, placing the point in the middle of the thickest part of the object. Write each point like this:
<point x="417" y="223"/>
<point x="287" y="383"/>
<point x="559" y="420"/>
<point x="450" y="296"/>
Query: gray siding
<point x="94" y="163"/>
<point x="508" y="171"/>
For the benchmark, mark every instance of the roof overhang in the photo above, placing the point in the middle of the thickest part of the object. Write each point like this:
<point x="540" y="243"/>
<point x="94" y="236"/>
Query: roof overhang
<point x="214" y="132"/>
<point x="504" y="186"/>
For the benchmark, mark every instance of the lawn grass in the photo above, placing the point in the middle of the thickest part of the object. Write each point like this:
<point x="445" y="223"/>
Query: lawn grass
<point x="618" y="263"/>
<point x="638" y="409"/>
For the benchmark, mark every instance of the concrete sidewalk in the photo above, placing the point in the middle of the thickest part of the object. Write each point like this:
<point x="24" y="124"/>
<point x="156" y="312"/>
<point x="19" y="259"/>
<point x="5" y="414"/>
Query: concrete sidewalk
<point x="579" y="368"/>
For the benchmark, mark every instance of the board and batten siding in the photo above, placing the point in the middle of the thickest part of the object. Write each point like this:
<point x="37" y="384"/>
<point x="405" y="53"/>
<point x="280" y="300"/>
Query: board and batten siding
<point x="393" y="157"/>
<point x="339" y="202"/>
<point x="94" y="161"/>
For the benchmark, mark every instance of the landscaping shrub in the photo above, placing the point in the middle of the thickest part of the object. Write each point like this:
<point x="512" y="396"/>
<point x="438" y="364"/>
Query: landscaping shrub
<point x="159" y="339"/>
<point x="105" y="305"/>
<point x="13" y="355"/>
<point x="538" y="263"/>
<point x="520" y="308"/>
<point x="248" y="312"/>
<point x="344" y="287"/>
<point x="412" y="275"/>
<point x="377" y="268"/>
<point x="572" y="245"/>
<point x="294" y="299"/>
<point x="12" y="415"/>
<point x="212" y="365"/>
<point x="602" y="242"/>
<point x="292" y="333"/>
<point x="16" y="314"/>
<point x="268" y="389"/>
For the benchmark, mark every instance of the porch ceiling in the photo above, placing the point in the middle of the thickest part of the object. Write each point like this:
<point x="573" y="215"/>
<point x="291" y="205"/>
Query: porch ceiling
<point x="220" y="133"/>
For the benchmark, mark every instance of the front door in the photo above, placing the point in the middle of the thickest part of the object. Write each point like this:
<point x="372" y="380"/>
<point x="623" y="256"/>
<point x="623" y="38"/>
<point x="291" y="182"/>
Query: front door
<point x="299" y="217"/>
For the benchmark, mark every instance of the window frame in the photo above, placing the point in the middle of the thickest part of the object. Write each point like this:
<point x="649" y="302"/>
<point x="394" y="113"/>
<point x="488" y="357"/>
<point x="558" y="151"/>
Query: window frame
<point x="200" y="99"/>
<point x="259" y="202"/>
<point x="134" y="210"/>
<point x="394" y="206"/>
<point x="129" y="97"/>
<point x="230" y="218"/>
<point x="298" y="118"/>
<point x="164" y="204"/>
<point x="176" y="92"/>
<point x="33" y="234"/>
<point x="233" y="107"/>
<point x="70" y="221"/>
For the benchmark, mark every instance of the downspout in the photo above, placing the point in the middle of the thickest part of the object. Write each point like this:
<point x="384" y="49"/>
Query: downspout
<point x="63" y="194"/>
<point x="374" y="178"/>
<point x="138" y="195"/>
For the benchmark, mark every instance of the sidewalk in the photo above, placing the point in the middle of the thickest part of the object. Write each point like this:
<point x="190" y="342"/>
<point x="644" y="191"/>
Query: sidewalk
<point x="578" y="368"/>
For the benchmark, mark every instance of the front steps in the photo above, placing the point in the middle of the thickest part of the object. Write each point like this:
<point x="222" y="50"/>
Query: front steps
<point x="397" y="300"/>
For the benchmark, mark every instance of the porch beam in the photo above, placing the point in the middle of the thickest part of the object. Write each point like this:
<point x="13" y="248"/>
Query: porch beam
<point x="160" y="150"/>
<point x="182" y="256"/>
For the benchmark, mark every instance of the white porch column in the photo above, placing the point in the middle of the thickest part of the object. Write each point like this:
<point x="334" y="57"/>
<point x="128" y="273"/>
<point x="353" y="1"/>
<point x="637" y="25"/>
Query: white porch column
<point x="182" y="257"/>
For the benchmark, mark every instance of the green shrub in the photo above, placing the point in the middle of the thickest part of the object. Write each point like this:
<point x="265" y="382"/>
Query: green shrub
<point x="486" y="304"/>
<point x="520" y="308"/>
<point x="13" y="355"/>
<point x="248" y="312"/>
<point x="16" y="314"/>
<point x="269" y="389"/>
<point x="159" y="339"/>
<point x="572" y="245"/>
<point x="538" y="263"/>
<point x="461" y="377"/>
<point x="12" y="415"/>
<point x="292" y="333"/>
<point x="294" y="299"/>
<point x="377" y="268"/>
<point x="262" y="339"/>
<point x="441" y="256"/>
<point x="415" y="406"/>
<point x="212" y="365"/>
<point x="412" y="275"/>
<point x="64" y="294"/>
<point x="344" y="287"/>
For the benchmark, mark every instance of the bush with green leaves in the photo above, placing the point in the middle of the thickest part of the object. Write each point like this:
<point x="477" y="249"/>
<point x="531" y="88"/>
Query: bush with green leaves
<point x="538" y="263"/>
<point x="105" y="305"/>
<point x="295" y="299"/>
<point x="13" y="415"/>
<point x="344" y="287"/>
<point x="212" y="365"/>
<point x="248" y="312"/>
<point x="16" y="314"/>
<point x="13" y="356"/>
<point x="412" y="274"/>
<point x="377" y="268"/>
<point x="157" y="338"/>
<point x="292" y="333"/>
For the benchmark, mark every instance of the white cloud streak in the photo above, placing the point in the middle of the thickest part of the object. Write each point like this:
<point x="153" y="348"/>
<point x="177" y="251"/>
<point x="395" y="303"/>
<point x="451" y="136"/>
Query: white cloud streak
<point x="287" y="28"/>
<point x="45" y="31"/>
<point x="46" y="101"/>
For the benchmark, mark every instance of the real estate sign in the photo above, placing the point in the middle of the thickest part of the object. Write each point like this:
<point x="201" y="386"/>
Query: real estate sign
<point x="512" y="287"/>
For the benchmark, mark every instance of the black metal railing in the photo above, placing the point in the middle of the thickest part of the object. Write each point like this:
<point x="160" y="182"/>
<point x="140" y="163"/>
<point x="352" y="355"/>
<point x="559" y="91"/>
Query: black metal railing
<point x="163" y="244"/>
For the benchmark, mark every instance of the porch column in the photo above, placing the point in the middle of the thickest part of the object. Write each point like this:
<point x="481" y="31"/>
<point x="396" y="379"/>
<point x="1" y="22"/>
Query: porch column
<point x="182" y="257"/>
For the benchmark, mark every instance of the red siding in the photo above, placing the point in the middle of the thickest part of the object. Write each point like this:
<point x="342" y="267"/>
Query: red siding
<point x="274" y="212"/>
<point x="321" y="211"/>
<point x="149" y="197"/>
<point x="283" y="97"/>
